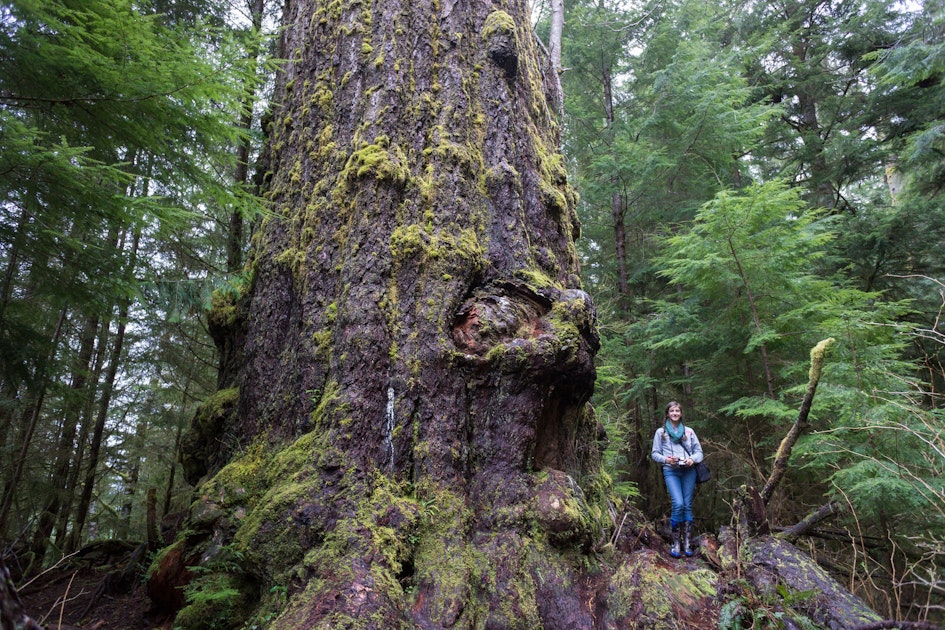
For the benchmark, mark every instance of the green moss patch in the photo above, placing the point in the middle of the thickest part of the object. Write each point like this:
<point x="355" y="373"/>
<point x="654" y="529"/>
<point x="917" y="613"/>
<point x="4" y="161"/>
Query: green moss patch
<point x="655" y="594"/>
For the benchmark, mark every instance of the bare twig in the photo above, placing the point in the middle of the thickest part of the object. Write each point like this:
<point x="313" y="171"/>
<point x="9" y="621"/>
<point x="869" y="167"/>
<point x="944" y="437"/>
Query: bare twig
<point x="65" y="597"/>
<point x="61" y="560"/>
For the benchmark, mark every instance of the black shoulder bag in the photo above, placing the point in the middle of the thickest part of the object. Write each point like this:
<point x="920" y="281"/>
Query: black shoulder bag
<point x="703" y="473"/>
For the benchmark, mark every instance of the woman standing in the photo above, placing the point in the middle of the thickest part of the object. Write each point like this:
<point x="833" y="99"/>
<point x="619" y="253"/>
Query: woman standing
<point x="677" y="448"/>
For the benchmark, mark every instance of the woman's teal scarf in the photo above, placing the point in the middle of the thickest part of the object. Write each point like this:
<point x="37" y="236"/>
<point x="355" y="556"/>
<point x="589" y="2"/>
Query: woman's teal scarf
<point x="675" y="435"/>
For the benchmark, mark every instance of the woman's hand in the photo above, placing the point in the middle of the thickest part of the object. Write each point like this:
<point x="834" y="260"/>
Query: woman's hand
<point x="688" y="462"/>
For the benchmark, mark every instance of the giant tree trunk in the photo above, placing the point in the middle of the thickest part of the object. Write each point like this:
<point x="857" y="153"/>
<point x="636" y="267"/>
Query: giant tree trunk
<point x="415" y="333"/>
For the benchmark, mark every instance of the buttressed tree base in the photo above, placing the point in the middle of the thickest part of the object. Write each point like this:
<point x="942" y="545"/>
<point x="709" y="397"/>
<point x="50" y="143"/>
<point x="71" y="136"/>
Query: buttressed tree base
<point x="401" y="436"/>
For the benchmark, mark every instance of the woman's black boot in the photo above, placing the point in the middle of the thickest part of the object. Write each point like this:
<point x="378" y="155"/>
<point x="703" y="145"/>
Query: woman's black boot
<point x="687" y="538"/>
<point x="674" y="550"/>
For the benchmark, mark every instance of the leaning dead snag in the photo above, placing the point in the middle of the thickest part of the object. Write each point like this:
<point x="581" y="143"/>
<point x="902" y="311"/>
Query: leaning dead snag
<point x="800" y="424"/>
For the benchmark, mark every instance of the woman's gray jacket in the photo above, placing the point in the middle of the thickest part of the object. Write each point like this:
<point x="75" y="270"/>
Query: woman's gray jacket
<point x="664" y="447"/>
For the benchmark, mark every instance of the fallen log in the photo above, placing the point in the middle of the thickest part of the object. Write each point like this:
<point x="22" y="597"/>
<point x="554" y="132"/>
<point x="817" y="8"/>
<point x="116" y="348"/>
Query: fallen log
<point x="774" y="566"/>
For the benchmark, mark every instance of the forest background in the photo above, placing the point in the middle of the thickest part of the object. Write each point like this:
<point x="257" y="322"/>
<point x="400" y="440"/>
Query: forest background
<point x="755" y="177"/>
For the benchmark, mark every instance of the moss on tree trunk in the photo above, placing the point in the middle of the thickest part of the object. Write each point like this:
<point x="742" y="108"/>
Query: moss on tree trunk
<point x="414" y="351"/>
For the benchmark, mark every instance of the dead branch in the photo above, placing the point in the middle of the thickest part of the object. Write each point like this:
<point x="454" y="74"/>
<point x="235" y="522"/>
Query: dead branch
<point x="787" y="444"/>
<point x="804" y="526"/>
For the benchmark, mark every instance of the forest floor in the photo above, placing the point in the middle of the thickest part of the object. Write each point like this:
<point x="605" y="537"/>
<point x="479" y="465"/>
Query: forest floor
<point x="88" y="605"/>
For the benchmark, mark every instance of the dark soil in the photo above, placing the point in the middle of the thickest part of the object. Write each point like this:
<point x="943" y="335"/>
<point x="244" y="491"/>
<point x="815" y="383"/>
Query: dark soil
<point x="88" y="604"/>
<point x="79" y="598"/>
<point x="99" y="587"/>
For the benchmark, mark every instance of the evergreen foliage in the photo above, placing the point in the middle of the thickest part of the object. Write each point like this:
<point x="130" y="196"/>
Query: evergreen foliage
<point x="754" y="177"/>
<point x="117" y="133"/>
<point x="768" y="175"/>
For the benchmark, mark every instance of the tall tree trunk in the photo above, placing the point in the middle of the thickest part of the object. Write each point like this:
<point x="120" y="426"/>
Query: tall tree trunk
<point x="15" y="366"/>
<point x="66" y="512"/>
<point x="8" y="408"/>
<point x="554" y="54"/>
<point x="234" y="242"/>
<point x="755" y="318"/>
<point x="108" y="387"/>
<point x="618" y="212"/>
<point x="66" y="450"/>
<point x="127" y="508"/>
<point x="618" y="201"/>
<point x="12" y="261"/>
<point x="415" y="332"/>
<point x="31" y="418"/>
<point x="172" y="474"/>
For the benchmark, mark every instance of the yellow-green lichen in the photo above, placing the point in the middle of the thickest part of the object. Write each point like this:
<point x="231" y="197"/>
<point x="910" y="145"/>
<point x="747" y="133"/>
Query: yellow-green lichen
<point x="415" y="242"/>
<point x="321" y="97"/>
<point x="537" y="280"/>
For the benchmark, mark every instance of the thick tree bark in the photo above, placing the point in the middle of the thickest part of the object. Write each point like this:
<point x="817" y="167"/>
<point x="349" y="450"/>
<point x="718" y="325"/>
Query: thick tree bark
<point x="401" y="438"/>
<point x="416" y="326"/>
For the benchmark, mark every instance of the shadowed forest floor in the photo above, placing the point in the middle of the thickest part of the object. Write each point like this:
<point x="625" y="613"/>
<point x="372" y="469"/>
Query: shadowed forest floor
<point x="88" y="593"/>
<point x="86" y="605"/>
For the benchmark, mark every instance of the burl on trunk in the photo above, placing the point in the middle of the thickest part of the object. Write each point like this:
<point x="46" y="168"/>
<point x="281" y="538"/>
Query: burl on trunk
<point x="402" y="436"/>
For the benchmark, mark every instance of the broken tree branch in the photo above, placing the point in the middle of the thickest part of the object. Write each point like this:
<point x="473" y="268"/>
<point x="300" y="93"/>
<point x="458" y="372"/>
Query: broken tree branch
<point x="787" y="444"/>
<point x="804" y="526"/>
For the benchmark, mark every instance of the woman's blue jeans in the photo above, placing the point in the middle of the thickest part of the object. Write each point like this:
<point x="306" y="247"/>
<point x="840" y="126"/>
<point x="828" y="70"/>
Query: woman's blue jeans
<point x="681" y="485"/>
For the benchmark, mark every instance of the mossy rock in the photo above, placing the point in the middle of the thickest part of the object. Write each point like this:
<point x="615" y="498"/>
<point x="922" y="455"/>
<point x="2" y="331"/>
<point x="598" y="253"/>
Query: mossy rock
<point x="651" y="591"/>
